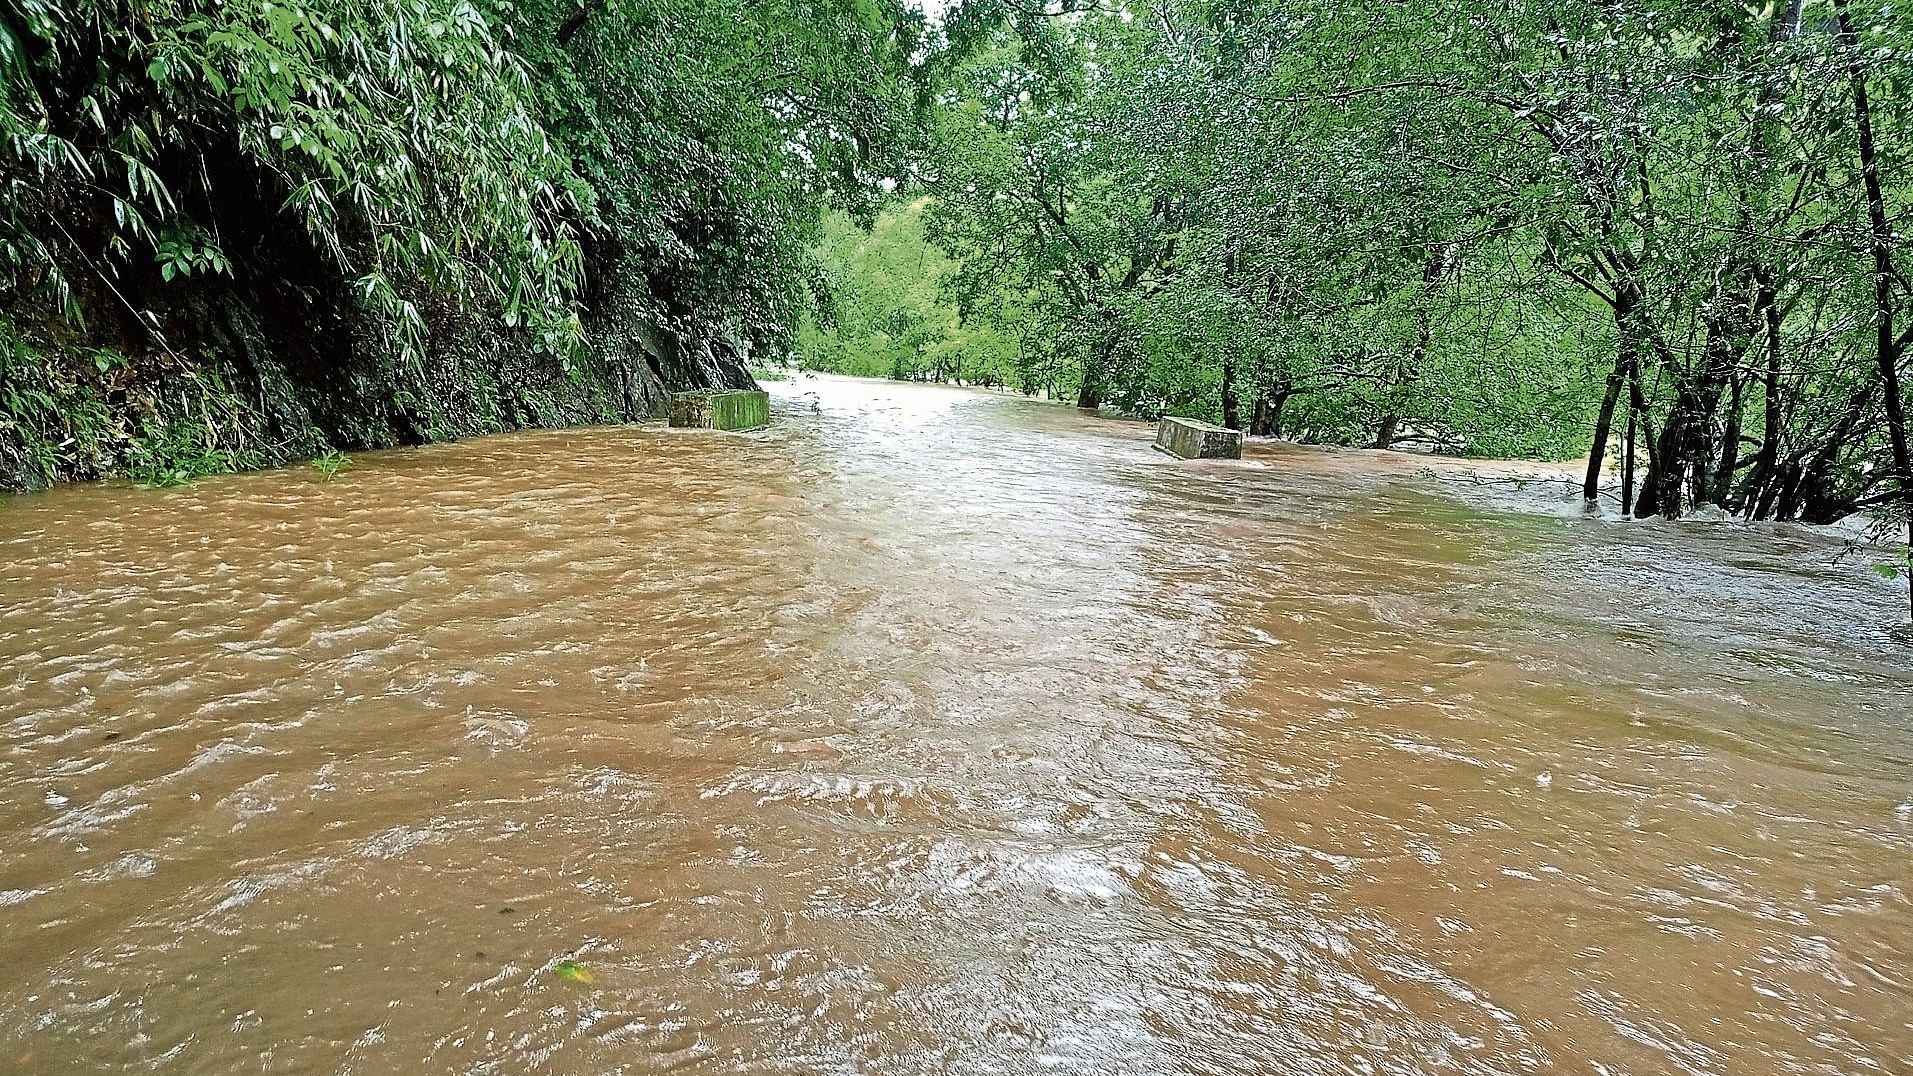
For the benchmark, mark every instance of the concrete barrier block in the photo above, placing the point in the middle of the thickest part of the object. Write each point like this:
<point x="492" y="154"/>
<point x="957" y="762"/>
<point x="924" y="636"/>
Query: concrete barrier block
<point x="721" y="409"/>
<point x="1192" y="440"/>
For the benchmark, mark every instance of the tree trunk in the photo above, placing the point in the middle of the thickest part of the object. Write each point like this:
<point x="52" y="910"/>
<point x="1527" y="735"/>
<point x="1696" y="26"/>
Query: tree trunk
<point x="1726" y="341"/>
<point x="1441" y="258"/>
<point x="1787" y="499"/>
<point x="1764" y="309"/>
<point x="1627" y="464"/>
<point x="1810" y="476"/>
<point x="1723" y="482"/>
<point x="1266" y="421"/>
<point x="1604" y="424"/>
<point x="1626" y="361"/>
<point x="1231" y="415"/>
<point x="1728" y="328"/>
<point x="1663" y="491"/>
<point x="1087" y="397"/>
<point x="1761" y="483"/>
<point x="1886" y="347"/>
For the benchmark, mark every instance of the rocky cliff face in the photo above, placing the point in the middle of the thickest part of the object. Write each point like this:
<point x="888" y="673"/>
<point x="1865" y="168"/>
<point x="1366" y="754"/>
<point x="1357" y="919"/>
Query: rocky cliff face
<point x="237" y="377"/>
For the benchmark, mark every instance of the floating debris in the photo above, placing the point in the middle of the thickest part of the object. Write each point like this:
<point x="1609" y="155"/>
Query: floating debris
<point x="571" y="971"/>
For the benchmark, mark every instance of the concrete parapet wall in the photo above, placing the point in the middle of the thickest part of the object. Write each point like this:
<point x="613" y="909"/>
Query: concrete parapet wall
<point x="1189" y="439"/>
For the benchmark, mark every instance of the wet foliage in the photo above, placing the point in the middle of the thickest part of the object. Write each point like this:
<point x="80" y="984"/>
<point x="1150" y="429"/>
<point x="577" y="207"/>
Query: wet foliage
<point x="241" y="232"/>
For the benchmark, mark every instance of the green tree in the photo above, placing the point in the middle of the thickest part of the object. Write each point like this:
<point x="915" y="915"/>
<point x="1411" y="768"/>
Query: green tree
<point x="886" y="315"/>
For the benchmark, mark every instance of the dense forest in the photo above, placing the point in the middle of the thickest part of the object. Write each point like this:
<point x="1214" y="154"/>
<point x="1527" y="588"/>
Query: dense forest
<point x="1666" y="236"/>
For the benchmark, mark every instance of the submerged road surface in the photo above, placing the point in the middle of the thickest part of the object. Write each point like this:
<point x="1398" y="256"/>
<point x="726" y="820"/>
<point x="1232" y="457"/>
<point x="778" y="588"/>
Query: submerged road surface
<point x="937" y="732"/>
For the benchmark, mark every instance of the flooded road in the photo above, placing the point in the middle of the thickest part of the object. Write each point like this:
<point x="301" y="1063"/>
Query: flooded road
<point x="937" y="732"/>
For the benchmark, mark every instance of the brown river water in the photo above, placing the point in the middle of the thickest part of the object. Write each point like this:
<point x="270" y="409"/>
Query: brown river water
<point x="939" y="732"/>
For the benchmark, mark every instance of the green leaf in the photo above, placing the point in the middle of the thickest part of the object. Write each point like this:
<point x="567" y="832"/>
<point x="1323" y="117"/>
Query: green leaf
<point x="572" y="972"/>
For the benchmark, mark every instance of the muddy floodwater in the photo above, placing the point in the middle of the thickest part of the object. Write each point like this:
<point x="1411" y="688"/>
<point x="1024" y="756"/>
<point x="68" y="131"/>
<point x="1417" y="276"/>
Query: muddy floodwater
<point x="939" y="732"/>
